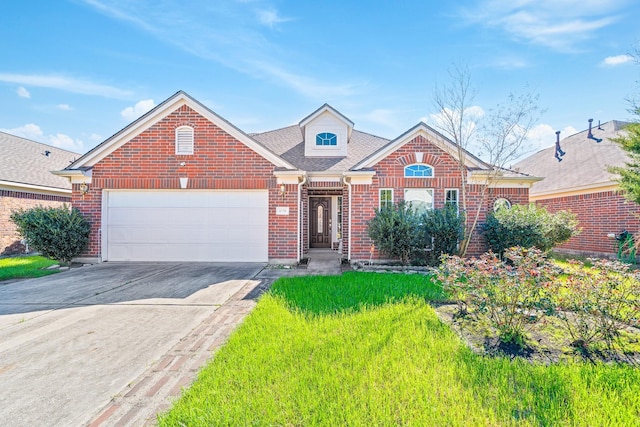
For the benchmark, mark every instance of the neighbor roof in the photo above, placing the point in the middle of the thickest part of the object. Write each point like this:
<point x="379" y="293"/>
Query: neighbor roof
<point x="25" y="163"/>
<point x="288" y="143"/>
<point x="583" y="167"/>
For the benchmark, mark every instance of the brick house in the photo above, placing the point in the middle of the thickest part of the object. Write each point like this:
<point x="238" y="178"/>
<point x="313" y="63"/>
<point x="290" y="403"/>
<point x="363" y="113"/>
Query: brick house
<point x="182" y="183"/>
<point x="26" y="182"/>
<point x="581" y="183"/>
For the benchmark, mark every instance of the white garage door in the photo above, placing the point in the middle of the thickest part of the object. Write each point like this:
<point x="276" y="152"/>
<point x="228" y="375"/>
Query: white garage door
<point x="186" y="226"/>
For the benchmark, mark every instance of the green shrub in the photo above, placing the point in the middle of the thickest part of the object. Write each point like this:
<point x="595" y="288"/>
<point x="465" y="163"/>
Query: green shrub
<point x="394" y="230"/>
<point x="399" y="231"/>
<point x="57" y="233"/>
<point x="445" y="228"/>
<point x="528" y="226"/>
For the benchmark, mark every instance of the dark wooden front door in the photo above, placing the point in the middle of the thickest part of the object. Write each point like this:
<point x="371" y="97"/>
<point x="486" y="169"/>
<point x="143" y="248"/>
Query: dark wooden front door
<point x="320" y="224"/>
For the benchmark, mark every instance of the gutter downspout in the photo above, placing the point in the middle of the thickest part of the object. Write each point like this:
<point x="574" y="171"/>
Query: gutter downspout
<point x="348" y="184"/>
<point x="300" y="184"/>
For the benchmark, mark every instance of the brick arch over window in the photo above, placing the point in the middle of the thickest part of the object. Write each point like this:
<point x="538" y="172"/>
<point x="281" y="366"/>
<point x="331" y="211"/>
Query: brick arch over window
<point x="413" y="158"/>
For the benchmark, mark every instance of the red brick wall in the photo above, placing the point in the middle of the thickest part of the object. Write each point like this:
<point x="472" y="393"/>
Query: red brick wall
<point x="390" y="174"/>
<point x="11" y="201"/>
<point x="148" y="161"/>
<point x="598" y="214"/>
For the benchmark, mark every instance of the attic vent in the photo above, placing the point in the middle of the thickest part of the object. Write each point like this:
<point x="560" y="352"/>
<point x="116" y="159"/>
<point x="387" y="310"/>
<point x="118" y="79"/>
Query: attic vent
<point x="184" y="140"/>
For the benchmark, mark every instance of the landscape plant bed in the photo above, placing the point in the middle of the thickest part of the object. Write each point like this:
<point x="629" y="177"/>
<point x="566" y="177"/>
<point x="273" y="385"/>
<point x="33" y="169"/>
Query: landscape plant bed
<point x="369" y="349"/>
<point x="547" y="341"/>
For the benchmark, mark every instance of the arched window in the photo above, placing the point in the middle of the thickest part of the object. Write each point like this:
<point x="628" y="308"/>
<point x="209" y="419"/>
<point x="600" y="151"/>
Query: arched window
<point x="326" y="138"/>
<point x="418" y="171"/>
<point x="501" y="203"/>
<point x="184" y="140"/>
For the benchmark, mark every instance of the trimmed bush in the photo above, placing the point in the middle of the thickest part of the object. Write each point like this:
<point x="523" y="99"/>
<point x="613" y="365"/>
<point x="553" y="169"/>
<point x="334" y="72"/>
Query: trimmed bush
<point x="394" y="230"/>
<point x="401" y="232"/>
<point x="57" y="233"/>
<point x="445" y="228"/>
<point x="528" y="226"/>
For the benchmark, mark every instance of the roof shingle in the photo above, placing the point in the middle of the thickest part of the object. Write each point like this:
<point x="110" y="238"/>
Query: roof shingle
<point x="25" y="162"/>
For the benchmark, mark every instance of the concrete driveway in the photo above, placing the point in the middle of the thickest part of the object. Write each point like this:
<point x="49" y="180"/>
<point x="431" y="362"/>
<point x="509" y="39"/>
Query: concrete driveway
<point x="71" y="342"/>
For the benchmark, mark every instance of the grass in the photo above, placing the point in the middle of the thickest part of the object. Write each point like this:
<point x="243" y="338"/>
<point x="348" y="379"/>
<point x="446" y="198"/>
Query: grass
<point x="25" y="267"/>
<point x="367" y="349"/>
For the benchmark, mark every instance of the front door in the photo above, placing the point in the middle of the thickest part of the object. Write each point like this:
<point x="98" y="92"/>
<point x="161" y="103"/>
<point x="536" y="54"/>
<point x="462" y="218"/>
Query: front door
<point x="320" y="223"/>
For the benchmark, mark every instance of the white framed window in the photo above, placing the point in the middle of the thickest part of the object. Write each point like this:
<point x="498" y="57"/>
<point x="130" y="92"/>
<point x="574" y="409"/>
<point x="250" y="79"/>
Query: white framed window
<point x="421" y="199"/>
<point x="386" y="197"/>
<point x="451" y="197"/>
<point x="418" y="170"/>
<point x="501" y="203"/>
<point x="184" y="140"/>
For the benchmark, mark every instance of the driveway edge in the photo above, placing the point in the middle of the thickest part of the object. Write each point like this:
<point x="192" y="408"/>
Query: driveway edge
<point x="154" y="390"/>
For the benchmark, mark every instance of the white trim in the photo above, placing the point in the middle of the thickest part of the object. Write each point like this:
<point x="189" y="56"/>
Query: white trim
<point x="380" y="190"/>
<point x="501" y="181"/>
<point x="432" y="190"/>
<point x="167" y="107"/>
<point x="574" y="191"/>
<point x="421" y="129"/>
<point x="360" y="177"/>
<point x="30" y="188"/>
<point x="457" y="190"/>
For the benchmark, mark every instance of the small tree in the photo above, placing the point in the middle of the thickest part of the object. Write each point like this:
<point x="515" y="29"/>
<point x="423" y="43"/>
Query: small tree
<point x="528" y="226"/>
<point x="58" y="233"/>
<point x="394" y="230"/>
<point x="629" y="174"/>
<point x="500" y="135"/>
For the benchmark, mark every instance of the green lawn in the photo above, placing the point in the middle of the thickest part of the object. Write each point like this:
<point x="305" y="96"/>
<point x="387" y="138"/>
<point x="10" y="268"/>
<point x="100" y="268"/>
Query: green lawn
<point x="25" y="267"/>
<point x="366" y="349"/>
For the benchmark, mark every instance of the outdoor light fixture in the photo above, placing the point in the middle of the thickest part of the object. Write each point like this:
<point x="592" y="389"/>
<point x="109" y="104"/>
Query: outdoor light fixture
<point x="283" y="191"/>
<point x="84" y="189"/>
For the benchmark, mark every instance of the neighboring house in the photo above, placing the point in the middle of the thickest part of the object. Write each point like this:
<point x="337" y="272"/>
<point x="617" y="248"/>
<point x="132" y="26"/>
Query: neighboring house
<point x="581" y="183"/>
<point x="183" y="184"/>
<point x="26" y="181"/>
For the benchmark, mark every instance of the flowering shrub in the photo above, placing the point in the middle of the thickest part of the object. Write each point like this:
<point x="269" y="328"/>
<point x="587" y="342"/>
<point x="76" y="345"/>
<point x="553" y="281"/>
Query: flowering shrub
<point x="510" y="295"/>
<point x="595" y="303"/>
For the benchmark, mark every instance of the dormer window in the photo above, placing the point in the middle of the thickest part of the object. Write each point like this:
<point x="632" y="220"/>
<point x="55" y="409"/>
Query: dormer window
<point x="418" y="171"/>
<point x="326" y="138"/>
<point x="184" y="140"/>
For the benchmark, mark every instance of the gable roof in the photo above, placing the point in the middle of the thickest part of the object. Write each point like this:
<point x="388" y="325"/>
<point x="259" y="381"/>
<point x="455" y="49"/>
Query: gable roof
<point x="288" y="143"/>
<point x="171" y="104"/>
<point x="24" y="163"/>
<point x="584" y="166"/>
<point x="433" y="136"/>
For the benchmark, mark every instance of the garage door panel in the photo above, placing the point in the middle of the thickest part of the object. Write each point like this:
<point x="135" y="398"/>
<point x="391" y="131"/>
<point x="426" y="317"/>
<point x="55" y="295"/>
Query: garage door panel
<point x="187" y="226"/>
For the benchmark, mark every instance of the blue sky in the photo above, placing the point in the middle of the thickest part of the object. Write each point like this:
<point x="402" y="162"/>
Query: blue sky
<point x="75" y="72"/>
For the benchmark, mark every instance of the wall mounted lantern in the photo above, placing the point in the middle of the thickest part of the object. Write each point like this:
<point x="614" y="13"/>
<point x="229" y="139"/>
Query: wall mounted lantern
<point x="283" y="191"/>
<point x="84" y="189"/>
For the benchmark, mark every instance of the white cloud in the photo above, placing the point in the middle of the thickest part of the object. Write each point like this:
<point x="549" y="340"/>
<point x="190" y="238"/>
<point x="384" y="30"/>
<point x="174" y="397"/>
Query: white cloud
<point x="270" y="17"/>
<point x="95" y="137"/>
<point x="228" y="34"/>
<point x="35" y="133"/>
<point x="68" y="84"/>
<point x="543" y="136"/>
<point x="64" y="107"/>
<point x="29" y="131"/>
<point x="65" y="142"/>
<point x="612" y="61"/>
<point x="558" y="24"/>
<point x="23" y="92"/>
<point x="141" y="107"/>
